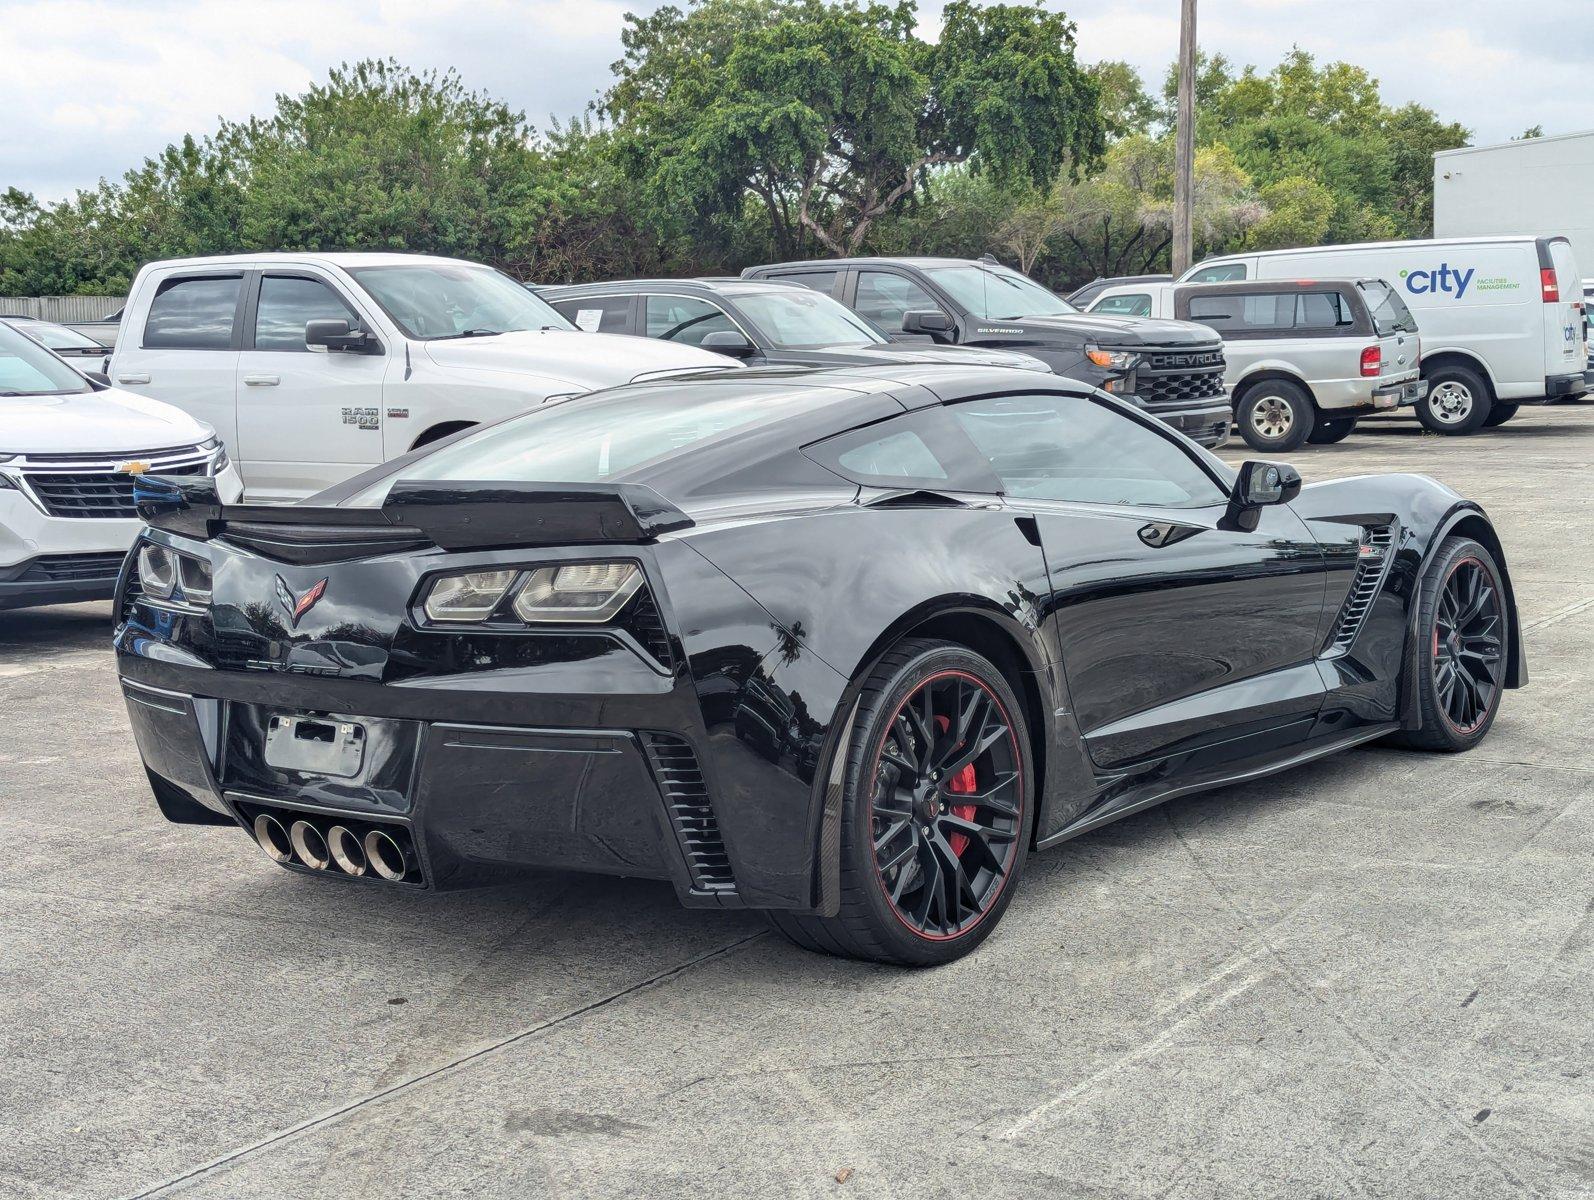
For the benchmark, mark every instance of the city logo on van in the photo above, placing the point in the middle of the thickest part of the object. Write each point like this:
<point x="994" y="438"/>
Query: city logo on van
<point x="1449" y="280"/>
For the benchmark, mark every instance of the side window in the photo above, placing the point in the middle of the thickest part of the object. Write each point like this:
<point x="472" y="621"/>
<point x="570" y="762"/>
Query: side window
<point x="819" y="281"/>
<point x="685" y="319"/>
<point x="1219" y="273"/>
<point x="193" y="313"/>
<point x="1234" y="312"/>
<point x="1322" y="310"/>
<point x="1075" y="448"/>
<point x="596" y="314"/>
<point x="1137" y="305"/>
<point x="287" y="304"/>
<point x="918" y="449"/>
<point x="885" y="298"/>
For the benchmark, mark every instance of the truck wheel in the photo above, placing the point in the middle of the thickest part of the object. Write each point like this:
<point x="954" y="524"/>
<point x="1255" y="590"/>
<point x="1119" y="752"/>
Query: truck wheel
<point x="1457" y="402"/>
<point x="1500" y="414"/>
<point x="1331" y="429"/>
<point x="1275" y="416"/>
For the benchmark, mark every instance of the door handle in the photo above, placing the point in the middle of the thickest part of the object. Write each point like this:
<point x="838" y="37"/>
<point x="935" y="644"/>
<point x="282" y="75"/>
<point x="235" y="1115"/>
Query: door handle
<point x="262" y="380"/>
<point x="133" y="377"/>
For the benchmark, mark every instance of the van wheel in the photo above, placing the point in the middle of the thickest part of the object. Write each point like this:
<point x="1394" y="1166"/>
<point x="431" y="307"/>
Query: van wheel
<point x="1332" y="429"/>
<point x="1500" y="414"/>
<point x="1275" y="416"/>
<point x="1457" y="402"/>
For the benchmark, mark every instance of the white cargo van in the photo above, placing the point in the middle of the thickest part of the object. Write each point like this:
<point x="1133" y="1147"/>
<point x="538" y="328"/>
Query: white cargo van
<point x="1501" y="317"/>
<point x="313" y="367"/>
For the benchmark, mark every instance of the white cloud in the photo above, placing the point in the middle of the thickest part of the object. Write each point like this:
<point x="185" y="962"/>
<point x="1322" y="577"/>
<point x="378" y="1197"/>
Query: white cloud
<point x="92" y="87"/>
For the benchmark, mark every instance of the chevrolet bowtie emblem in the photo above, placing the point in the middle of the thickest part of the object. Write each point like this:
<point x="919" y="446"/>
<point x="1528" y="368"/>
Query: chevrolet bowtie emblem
<point x="134" y="467"/>
<point x="297" y="606"/>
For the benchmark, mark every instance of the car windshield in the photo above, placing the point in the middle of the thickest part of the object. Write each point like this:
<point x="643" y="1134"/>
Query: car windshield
<point x="801" y="319"/>
<point x="28" y="369"/>
<point x="443" y="300"/>
<point x="1390" y="314"/>
<point x="999" y="294"/>
<point x="581" y="441"/>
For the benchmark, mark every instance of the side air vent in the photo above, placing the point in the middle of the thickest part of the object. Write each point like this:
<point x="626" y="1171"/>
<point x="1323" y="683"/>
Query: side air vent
<point x="316" y="544"/>
<point x="681" y="780"/>
<point x="1371" y="567"/>
<point x="642" y="620"/>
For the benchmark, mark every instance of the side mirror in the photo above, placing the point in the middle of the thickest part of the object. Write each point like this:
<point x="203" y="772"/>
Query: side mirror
<point x="730" y="342"/>
<point x="339" y="334"/>
<point x="929" y="320"/>
<point x="1258" y="485"/>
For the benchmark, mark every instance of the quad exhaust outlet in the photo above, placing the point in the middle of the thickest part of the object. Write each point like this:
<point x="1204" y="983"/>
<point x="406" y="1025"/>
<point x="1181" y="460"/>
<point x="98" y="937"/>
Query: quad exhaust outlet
<point x="351" y="848"/>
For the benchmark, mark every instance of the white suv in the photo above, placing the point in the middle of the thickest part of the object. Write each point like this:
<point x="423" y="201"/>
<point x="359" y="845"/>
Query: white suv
<point x="70" y="453"/>
<point x="314" y="367"/>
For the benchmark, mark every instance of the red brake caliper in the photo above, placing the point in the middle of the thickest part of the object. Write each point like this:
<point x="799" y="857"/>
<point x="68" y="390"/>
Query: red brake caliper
<point x="963" y="782"/>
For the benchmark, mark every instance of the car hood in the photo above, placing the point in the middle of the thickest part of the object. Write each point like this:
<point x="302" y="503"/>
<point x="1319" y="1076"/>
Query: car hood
<point x="907" y="352"/>
<point x="1113" y="331"/>
<point x="589" y="360"/>
<point x="109" y="421"/>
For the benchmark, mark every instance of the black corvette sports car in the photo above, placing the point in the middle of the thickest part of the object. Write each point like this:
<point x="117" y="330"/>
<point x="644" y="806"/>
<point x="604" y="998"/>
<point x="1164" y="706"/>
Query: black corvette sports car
<point x="844" y="646"/>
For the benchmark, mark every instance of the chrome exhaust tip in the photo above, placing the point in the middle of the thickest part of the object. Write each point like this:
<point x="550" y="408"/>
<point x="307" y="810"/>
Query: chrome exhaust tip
<point x="273" y="838"/>
<point x="309" y="845"/>
<point x="386" y="856"/>
<point x="346" y="849"/>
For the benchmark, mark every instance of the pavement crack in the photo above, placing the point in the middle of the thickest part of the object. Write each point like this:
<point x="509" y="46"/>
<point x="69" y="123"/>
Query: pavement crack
<point x="448" y="1068"/>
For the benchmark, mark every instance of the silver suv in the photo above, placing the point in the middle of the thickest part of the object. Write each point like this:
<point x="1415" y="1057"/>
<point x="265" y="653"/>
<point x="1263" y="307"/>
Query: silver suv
<point x="1305" y="359"/>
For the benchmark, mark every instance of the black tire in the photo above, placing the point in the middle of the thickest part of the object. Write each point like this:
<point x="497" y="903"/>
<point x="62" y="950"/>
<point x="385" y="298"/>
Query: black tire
<point x="1329" y="430"/>
<point x="1458" y="401"/>
<point x="1275" y="416"/>
<point x="870" y="924"/>
<point x="1500" y="413"/>
<point x="1446" y="649"/>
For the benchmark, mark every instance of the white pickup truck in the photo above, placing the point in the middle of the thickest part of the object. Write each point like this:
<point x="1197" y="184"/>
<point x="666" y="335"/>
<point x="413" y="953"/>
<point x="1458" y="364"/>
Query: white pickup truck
<point x="313" y="367"/>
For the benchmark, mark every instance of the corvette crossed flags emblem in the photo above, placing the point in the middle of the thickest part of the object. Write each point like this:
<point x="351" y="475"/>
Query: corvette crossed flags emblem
<point x="297" y="606"/>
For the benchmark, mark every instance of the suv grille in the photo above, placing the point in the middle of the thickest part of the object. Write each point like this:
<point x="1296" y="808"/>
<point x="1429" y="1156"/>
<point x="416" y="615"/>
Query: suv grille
<point x="1370" y="571"/>
<point x="90" y="486"/>
<point x="681" y="780"/>
<point x="1171" y="379"/>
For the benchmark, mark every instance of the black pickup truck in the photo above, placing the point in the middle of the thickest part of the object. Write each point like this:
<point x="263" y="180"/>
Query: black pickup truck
<point x="1174" y="369"/>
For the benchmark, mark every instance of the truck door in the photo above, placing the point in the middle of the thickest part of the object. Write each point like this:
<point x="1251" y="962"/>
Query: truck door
<point x="182" y="347"/>
<point x="307" y="418"/>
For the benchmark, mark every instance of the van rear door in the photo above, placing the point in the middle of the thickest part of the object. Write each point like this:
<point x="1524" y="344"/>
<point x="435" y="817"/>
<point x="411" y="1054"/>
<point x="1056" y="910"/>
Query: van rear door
<point x="1565" y="350"/>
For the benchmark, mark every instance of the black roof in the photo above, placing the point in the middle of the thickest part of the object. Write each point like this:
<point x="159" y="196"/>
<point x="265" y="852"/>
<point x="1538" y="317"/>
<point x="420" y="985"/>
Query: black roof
<point x="717" y="286"/>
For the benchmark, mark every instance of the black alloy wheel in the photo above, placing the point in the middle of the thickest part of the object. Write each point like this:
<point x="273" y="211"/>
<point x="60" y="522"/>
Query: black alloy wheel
<point x="935" y="810"/>
<point x="1468" y="645"/>
<point x="1464" y="641"/>
<point x="947" y="805"/>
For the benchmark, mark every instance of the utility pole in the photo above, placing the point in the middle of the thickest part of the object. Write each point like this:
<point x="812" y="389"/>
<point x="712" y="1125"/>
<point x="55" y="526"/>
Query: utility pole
<point x="1184" y="142"/>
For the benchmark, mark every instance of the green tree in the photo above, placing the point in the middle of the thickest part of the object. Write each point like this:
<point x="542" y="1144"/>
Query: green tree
<point x="832" y="116"/>
<point x="1126" y="106"/>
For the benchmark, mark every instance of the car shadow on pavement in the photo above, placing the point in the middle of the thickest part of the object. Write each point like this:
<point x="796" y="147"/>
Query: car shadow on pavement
<point x="62" y="627"/>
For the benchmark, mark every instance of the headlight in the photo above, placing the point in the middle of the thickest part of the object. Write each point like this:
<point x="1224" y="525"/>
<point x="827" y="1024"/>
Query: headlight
<point x="157" y="571"/>
<point x="468" y="597"/>
<point x="585" y="592"/>
<point x="1112" y="360"/>
<point x="219" y="461"/>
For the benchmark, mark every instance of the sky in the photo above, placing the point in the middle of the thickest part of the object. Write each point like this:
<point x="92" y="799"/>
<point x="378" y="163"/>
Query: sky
<point x="90" y="88"/>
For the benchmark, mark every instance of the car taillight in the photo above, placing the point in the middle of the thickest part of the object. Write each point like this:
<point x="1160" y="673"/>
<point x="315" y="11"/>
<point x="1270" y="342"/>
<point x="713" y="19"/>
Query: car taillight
<point x="1372" y="361"/>
<point x="1552" y="290"/>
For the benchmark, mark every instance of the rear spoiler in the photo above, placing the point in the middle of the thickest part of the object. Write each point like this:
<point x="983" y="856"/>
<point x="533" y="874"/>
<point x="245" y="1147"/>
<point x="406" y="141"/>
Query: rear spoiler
<point x="458" y="515"/>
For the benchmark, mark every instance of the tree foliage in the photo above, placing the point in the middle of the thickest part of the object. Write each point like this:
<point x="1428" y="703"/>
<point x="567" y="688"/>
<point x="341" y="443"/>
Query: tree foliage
<point x="737" y="131"/>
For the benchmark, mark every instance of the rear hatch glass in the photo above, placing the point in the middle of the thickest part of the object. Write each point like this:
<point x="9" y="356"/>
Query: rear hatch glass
<point x="1389" y="311"/>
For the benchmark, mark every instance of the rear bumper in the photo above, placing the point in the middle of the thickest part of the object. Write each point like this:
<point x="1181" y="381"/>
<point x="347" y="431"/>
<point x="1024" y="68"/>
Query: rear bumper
<point x="1399" y="395"/>
<point x="1575" y="384"/>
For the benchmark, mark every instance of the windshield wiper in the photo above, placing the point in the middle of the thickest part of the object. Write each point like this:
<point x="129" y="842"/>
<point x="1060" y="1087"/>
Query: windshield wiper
<point x="468" y="333"/>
